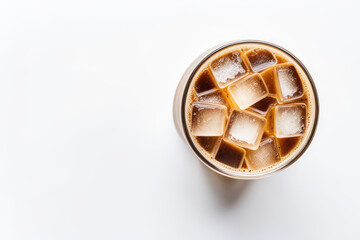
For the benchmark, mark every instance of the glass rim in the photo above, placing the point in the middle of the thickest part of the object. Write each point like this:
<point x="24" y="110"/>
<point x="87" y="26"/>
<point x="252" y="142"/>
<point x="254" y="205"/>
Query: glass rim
<point x="213" y="166"/>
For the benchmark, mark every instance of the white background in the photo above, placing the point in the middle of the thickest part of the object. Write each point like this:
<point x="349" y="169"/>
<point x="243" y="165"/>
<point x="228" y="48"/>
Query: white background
<point x="88" y="149"/>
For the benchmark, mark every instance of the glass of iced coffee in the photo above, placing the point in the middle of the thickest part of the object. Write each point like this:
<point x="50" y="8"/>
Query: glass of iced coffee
<point x="247" y="109"/>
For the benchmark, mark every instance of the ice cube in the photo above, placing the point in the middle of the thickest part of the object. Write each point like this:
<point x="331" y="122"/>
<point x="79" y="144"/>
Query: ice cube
<point x="208" y="143"/>
<point x="266" y="155"/>
<point x="208" y="119"/>
<point x="288" y="82"/>
<point x="290" y="120"/>
<point x="264" y="105"/>
<point x="204" y="83"/>
<point x="228" y="68"/>
<point x="269" y="79"/>
<point x="245" y="129"/>
<point x="287" y="144"/>
<point x="230" y="155"/>
<point x="248" y="91"/>
<point x="260" y="59"/>
<point x="216" y="97"/>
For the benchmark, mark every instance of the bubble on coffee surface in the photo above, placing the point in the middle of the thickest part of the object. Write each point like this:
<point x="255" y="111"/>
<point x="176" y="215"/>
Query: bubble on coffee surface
<point x="208" y="119"/>
<point x="248" y="91"/>
<point x="209" y="146"/>
<point x="228" y="68"/>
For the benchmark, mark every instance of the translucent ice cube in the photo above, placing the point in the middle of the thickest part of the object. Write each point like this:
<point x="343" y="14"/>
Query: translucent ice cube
<point x="228" y="68"/>
<point x="208" y="143"/>
<point x="269" y="79"/>
<point x="266" y="155"/>
<point x="248" y="91"/>
<point x="287" y="144"/>
<point x="204" y="83"/>
<point x="245" y="129"/>
<point x="288" y="82"/>
<point x="216" y="97"/>
<point x="260" y="59"/>
<point x="230" y="155"/>
<point x="264" y="105"/>
<point x="208" y="119"/>
<point x="290" y="120"/>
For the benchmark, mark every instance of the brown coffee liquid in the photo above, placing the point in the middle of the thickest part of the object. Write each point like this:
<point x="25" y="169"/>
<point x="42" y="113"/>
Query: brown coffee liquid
<point x="216" y="148"/>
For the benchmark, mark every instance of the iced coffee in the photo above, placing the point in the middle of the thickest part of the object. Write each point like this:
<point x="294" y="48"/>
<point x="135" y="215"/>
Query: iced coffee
<point x="249" y="108"/>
